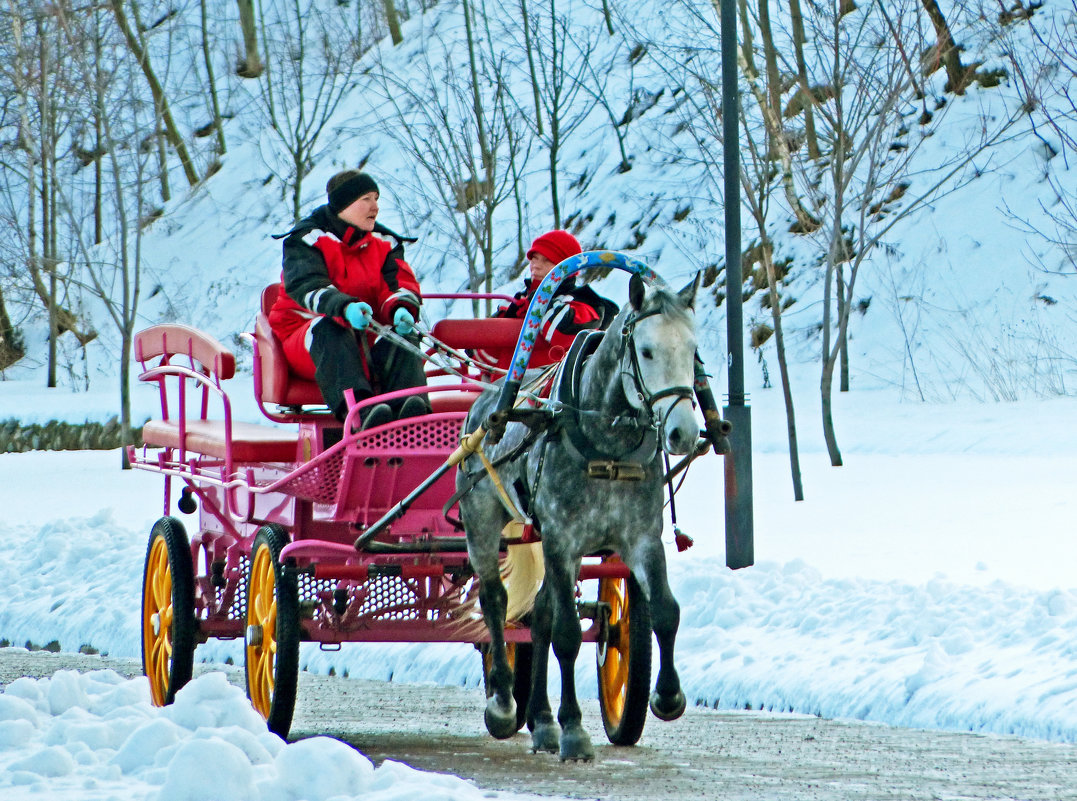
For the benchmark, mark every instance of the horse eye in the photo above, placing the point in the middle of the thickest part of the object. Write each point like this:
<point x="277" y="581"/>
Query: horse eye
<point x="647" y="353"/>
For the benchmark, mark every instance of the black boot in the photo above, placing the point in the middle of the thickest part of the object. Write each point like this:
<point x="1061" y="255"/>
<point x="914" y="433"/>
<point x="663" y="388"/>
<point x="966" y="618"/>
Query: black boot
<point x="414" y="406"/>
<point x="373" y="416"/>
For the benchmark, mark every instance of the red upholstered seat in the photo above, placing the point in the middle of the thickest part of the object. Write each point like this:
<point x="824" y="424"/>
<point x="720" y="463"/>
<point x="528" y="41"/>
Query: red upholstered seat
<point x="251" y="442"/>
<point x="488" y="334"/>
<point x="276" y="383"/>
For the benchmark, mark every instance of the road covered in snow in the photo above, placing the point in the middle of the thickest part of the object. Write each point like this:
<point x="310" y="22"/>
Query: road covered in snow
<point x="734" y="756"/>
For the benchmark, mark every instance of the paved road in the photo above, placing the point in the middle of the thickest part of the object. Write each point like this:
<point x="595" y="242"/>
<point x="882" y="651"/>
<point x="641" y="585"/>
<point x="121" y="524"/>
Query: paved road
<point x="704" y="755"/>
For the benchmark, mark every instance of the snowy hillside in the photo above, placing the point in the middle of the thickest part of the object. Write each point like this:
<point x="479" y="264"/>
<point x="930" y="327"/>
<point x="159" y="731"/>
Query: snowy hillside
<point x="966" y="297"/>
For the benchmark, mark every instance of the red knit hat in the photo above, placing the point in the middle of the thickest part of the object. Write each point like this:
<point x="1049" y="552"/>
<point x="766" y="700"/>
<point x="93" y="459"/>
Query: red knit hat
<point x="555" y="246"/>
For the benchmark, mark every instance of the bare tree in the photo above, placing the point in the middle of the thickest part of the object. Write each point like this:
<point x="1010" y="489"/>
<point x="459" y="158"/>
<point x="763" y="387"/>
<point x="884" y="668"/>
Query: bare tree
<point x="805" y="97"/>
<point x="866" y="180"/>
<point x="39" y="80"/>
<point x="137" y="45"/>
<point x="697" y="68"/>
<point x="113" y="270"/>
<point x="561" y="74"/>
<point x="465" y="138"/>
<point x="1043" y="77"/>
<point x="311" y="60"/>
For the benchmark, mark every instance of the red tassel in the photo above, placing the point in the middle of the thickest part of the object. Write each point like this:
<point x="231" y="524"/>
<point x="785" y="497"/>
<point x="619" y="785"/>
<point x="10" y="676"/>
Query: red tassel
<point x="684" y="542"/>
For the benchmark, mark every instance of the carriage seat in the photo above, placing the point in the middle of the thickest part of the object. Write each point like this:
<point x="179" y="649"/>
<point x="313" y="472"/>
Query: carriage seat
<point x="199" y="363"/>
<point x="274" y="382"/>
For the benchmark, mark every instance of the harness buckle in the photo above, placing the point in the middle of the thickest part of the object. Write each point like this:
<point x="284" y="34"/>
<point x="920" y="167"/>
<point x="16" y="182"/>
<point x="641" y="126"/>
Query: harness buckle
<point x="610" y="470"/>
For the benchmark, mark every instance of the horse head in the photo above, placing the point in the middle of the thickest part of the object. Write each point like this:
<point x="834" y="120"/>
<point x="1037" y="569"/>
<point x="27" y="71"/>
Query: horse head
<point x="658" y="365"/>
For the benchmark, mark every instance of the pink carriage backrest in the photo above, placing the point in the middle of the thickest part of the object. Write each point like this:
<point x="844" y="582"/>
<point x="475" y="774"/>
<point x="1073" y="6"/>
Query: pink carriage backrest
<point x="173" y="339"/>
<point x="278" y="384"/>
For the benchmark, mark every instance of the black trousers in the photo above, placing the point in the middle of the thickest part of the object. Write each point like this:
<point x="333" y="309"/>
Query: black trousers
<point x="338" y="365"/>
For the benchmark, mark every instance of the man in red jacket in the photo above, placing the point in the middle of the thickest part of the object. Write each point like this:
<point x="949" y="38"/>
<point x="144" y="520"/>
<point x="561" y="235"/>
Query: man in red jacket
<point x="341" y="270"/>
<point x="572" y="309"/>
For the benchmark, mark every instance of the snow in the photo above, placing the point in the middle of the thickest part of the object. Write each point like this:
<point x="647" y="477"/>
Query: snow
<point x="927" y="583"/>
<point x="95" y="736"/>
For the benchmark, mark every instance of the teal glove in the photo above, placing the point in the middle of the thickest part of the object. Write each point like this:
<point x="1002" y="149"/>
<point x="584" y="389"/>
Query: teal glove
<point x="358" y="314"/>
<point x="403" y="322"/>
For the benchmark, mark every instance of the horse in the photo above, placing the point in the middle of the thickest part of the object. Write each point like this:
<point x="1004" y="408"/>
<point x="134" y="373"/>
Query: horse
<point x="628" y="400"/>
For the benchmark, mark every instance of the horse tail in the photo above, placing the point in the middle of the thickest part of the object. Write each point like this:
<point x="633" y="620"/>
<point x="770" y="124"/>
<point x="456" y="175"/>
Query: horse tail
<point x="521" y="572"/>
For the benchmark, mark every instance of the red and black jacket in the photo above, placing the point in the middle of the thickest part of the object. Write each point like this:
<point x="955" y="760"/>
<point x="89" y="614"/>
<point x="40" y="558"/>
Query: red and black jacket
<point x="572" y="309"/>
<point x="329" y="263"/>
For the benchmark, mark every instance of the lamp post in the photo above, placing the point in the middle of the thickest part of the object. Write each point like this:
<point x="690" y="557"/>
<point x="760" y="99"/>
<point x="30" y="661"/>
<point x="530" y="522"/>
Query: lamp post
<point x="739" y="522"/>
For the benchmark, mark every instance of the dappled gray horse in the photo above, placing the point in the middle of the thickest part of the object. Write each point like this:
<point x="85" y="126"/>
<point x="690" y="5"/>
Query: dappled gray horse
<point x="633" y="398"/>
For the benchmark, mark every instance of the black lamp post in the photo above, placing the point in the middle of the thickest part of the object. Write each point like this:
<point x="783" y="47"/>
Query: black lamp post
<point x="739" y="523"/>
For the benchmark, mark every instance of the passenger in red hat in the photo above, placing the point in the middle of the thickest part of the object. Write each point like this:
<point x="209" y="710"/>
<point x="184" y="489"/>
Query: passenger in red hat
<point x="572" y="309"/>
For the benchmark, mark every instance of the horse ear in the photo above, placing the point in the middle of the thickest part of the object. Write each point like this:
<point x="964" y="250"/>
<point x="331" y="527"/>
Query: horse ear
<point x="636" y="289"/>
<point x="688" y="294"/>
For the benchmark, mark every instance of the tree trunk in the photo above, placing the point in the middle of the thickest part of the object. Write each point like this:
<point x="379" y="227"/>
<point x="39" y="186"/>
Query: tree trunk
<point x="11" y="347"/>
<point x="806" y="222"/>
<point x="843" y="314"/>
<point x="807" y="99"/>
<point x="531" y="66"/>
<point x="958" y="76"/>
<point x="251" y="66"/>
<point x="98" y="168"/>
<point x="48" y="260"/>
<point x="783" y="368"/>
<point x="770" y="61"/>
<point x="607" y="17"/>
<point x="830" y="354"/>
<point x="555" y="121"/>
<point x="135" y="46"/>
<point x="215" y="103"/>
<point x="393" y="19"/>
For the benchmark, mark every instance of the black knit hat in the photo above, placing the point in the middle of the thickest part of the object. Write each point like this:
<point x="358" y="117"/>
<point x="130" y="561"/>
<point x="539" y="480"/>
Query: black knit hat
<point x="346" y="187"/>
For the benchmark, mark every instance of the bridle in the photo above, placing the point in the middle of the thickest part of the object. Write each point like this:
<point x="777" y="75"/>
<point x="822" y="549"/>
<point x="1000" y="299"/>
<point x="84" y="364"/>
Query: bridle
<point x="646" y="398"/>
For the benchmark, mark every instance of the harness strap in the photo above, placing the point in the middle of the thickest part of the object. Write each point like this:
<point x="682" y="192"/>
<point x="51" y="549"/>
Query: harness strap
<point x="502" y="493"/>
<point x="537" y="422"/>
<point x="566" y="392"/>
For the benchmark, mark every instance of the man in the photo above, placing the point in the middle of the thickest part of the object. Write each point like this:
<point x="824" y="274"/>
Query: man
<point x="572" y="309"/>
<point x="342" y="269"/>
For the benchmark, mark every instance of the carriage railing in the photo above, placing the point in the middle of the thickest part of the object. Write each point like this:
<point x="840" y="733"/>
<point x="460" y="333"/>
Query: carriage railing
<point x="318" y="480"/>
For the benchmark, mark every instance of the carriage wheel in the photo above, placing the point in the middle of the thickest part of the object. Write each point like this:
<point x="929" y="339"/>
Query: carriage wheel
<point x="169" y="627"/>
<point x="624" y="660"/>
<point x="272" y="632"/>
<point x="519" y="655"/>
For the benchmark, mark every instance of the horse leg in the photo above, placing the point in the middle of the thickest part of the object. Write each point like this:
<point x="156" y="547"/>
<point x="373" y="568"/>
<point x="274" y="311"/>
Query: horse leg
<point x="648" y="565"/>
<point x="566" y="639"/>
<point x="545" y="735"/>
<point x="482" y="518"/>
<point x="501" y="708"/>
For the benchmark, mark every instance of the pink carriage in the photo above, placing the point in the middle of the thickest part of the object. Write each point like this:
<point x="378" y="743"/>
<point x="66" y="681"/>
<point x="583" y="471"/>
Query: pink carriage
<point x="273" y="556"/>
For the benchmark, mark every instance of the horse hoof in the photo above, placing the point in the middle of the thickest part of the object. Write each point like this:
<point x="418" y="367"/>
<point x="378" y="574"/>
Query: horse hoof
<point x="545" y="737"/>
<point x="500" y="720"/>
<point x="668" y="708"/>
<point x="576" y="745"/>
